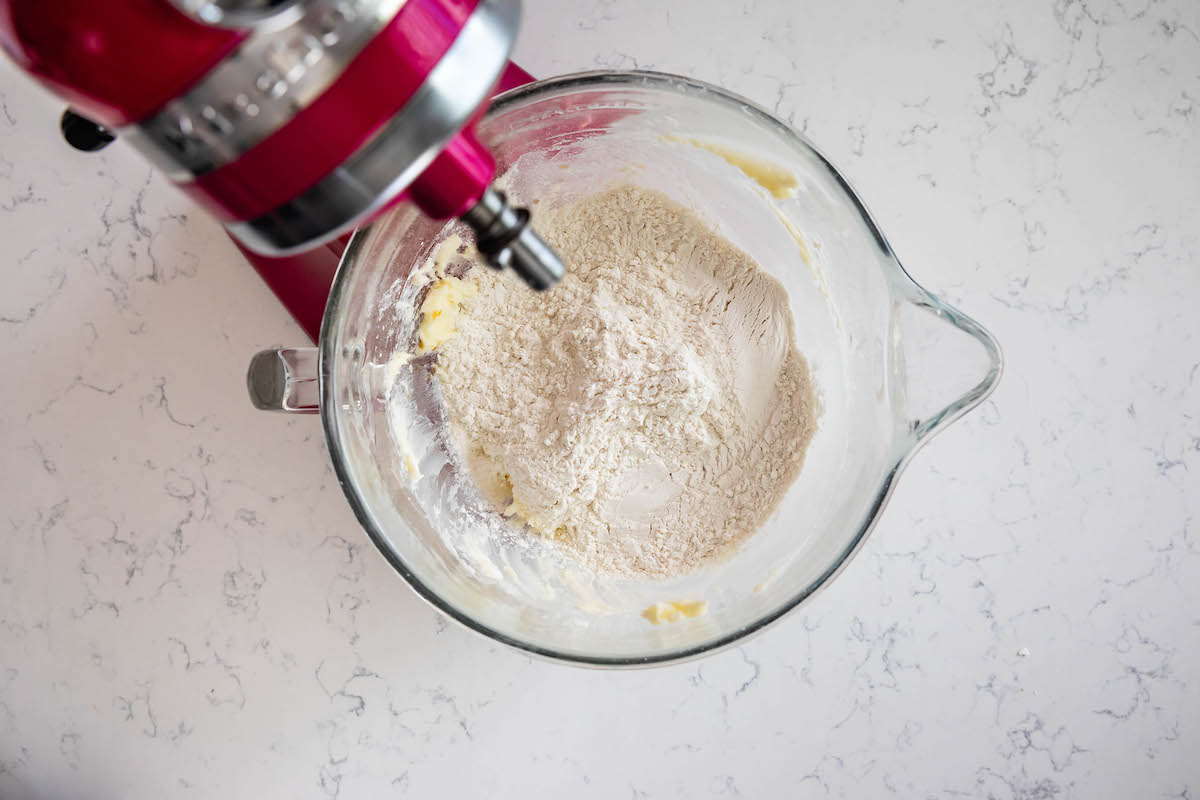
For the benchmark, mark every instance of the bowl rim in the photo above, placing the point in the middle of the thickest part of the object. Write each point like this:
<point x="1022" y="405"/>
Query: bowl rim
<point x="327" y="350"/>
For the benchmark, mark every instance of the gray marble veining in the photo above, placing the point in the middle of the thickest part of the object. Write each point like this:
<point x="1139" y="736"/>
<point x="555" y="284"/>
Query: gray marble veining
<point x="188" y="609"/>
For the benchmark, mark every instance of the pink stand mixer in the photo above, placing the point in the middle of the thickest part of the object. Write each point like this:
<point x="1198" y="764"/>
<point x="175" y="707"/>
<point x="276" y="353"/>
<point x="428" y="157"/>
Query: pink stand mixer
<point x="294" y="121"/>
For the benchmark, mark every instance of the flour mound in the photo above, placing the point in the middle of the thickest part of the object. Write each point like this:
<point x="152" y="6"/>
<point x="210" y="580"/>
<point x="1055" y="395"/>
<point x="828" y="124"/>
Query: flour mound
<point x="647" y="413"/>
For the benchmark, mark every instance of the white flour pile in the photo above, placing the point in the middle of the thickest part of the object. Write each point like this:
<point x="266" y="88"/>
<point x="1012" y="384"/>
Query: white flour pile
<point x="648" y="412"/>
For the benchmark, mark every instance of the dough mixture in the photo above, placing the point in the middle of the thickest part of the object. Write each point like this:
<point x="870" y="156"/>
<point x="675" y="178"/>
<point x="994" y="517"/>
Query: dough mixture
<point x="647" y="413"/>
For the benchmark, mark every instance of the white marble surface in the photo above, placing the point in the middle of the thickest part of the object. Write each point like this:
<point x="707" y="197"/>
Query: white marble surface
<point x="188" y="609"/>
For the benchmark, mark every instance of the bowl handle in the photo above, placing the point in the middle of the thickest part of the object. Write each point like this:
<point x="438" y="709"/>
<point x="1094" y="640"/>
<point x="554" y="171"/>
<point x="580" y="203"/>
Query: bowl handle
<point x="285" y="380"/>
<point x="940" y="353"/>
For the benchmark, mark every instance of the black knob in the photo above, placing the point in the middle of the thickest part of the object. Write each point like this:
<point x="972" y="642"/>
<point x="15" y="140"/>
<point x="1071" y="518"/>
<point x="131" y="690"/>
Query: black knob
<point x="83" y="134"/>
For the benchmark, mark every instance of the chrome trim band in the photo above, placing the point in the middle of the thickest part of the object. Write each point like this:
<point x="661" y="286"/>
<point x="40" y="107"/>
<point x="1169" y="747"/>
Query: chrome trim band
<point x="237" y="13"/>
<point x="379" y="170"/>
<point x="273" y="75"/>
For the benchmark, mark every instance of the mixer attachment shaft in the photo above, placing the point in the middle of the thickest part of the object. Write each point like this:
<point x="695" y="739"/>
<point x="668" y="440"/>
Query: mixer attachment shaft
<point x="505" y="239"/>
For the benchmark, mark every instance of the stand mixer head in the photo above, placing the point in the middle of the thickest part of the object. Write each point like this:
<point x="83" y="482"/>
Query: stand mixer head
<point x="292" y="121"/>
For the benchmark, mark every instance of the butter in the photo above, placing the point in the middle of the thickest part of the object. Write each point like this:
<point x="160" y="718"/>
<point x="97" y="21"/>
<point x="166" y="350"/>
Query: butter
<point x="439" y="312"/>
<point x="767" y="581"/>
<point x="772" y="177"/>
<point x="658" y="613"/>
<point x="806" y="254"/>
<point x="410" y="464"/>
<point x="810" y="261"/>
<point x="398" y="423"/>
<point x="534" y="520"/>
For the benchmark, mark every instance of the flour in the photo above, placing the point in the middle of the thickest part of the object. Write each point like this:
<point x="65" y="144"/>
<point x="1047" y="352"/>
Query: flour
<point x="647" y="413"/>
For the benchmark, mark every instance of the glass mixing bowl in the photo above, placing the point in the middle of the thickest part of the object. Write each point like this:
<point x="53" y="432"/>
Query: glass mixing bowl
<point x="892" y="364"/>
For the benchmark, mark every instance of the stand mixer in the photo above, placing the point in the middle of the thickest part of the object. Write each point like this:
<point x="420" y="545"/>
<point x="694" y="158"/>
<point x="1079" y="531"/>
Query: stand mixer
<point x="294" y="121"/>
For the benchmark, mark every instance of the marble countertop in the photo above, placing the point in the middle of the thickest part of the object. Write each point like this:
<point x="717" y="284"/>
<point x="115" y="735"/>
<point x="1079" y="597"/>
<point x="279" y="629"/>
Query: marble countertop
<point x="188" y="608"/>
